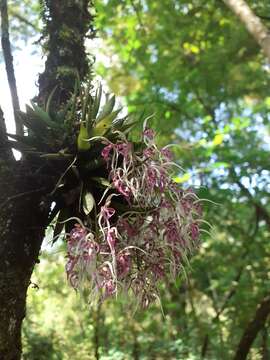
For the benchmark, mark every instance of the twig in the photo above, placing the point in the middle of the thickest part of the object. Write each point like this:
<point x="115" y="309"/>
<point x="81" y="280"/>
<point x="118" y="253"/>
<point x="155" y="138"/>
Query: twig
<point x="261" y="212"/>
<point x="9" y="64"/>
<point x="137" y="12"/>
<point x="206" y="108"/>
<point x="23" y="19"/>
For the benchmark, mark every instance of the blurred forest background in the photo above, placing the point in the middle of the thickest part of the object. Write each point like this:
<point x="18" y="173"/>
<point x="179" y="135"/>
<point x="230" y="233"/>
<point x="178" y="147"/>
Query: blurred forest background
<point x="196" y="67"/>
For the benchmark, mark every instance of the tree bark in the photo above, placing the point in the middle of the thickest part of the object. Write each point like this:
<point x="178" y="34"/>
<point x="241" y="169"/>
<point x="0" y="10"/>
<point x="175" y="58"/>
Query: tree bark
<point x="22" y="226"/>
<point x="252" y="22"/>
<point x="5" y="151"/>
<point x="67" y="23"/>
<point x="25" y="184"/>
<point x="254" y="326"/>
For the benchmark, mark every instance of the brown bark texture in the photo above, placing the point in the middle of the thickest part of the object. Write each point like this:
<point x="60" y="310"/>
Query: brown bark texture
<point x="22" y="225"/>
<point x="253" y="24"/>
<point x="25" y="185"/>
<point x="253" y="328"/>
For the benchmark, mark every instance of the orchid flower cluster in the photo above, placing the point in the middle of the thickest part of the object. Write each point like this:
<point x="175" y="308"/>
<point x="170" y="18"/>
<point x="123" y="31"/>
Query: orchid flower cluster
<point x="146" y="228"/>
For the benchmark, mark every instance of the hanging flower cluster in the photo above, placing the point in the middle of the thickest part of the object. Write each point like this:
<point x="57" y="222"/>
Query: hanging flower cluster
<point x="146" y="226"/>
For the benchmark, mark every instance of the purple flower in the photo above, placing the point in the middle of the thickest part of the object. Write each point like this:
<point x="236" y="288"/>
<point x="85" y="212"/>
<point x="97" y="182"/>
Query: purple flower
<point x="74" y="280"/>
<point x="194" y="231"/>
<point x="71" y="263"/>
<point x="171" y="231"/>
<point x="149" y="134"/>
<point x="187" y="205"/>
<point x="106" y="152"/>
<point x="89" y="250"/>
<point x="112" y="237"/>
<point x="164" y="203"/>
<point x="151" y="177"/>
<point x="77" y="233"/>
<point x="148" y="235"/>
<point x="120" y="186"/>
<point x="123" y="264"/>
<point x="158" y="270"/>
<point x="124" y="149"/>
<point x="107" y="212"/>
<point x="110" y="287"/>
<point x="131" y="230"/>
<point x="149" y="152"/>
<point x="166" y="153"/>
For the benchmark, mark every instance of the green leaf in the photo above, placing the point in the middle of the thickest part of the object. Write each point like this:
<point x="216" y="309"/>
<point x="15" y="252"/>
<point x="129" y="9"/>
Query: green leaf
<point x="105" y="124"/>
<point x="57" y="156"/>
<point x="107" y="109"/>
<point x="88" y="202"/>
<point x="129" y="126"/>
<point x="182" y="179"/>
<point x="30" y="121"/>
<point x="44" y="116"/>
<point x="97" y="99"/>
<point x="82" y="140"/>
<point x="102" y="181"/>
<point x="27" y="141"/>
<point x="219" y="164"/>
<point x="50" y="97"/>
<point x="218" y="139"/>
<point x="86" y="101"/>
<point x="60" y="223"/>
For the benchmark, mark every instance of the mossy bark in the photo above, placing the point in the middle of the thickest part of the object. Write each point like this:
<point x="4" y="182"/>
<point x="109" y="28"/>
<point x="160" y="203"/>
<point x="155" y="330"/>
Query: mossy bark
<point x="67" y="24"/>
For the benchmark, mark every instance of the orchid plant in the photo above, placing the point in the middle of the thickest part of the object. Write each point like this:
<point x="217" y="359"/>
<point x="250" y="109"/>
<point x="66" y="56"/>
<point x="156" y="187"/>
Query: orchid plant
<point x="128" y="225"/>
<point x="146" y="226"/>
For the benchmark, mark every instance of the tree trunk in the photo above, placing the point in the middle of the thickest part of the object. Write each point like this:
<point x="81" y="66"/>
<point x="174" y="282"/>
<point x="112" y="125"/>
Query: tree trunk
<point x="22" y="225"/>
<point x="67" y="22"/>
<point x="25" y="184"/>
<point x="252" y="22"/>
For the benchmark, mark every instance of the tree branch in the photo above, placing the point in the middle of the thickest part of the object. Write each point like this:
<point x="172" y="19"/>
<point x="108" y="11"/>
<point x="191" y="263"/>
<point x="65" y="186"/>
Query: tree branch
<point x="261" y="212"/>
<point x="265" y="349"/>
<point x="9" y="64"/>
<point x="252" y="22"/>
<point x="232" y="291"/>
<point x="23" y="19"/>
<point x="254" y="326"/>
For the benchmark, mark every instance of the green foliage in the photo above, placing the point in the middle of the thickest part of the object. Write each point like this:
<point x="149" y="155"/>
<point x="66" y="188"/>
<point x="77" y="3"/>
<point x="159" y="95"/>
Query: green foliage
<point x="71" y="137"/>
<point x="198" y="69"/>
